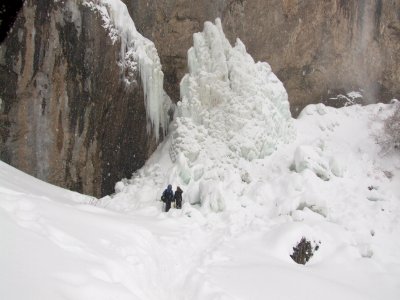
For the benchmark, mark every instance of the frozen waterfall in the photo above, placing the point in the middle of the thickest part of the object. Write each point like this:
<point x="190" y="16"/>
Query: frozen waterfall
<point x="236" y="101"/>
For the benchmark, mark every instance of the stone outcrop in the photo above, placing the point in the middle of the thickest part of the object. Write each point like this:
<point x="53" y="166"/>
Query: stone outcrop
<point x="317" y="48"/>
<point x="8" y="13"/>
<point x="67" y="115"/>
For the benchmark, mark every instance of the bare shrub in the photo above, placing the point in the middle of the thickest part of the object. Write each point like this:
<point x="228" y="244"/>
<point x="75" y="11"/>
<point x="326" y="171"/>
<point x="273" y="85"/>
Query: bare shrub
<point x="304" y="251"/>
<point x="390" y="139"/>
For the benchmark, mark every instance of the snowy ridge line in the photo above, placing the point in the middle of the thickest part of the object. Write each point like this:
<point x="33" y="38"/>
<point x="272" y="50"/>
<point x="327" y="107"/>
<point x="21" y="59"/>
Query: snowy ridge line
<point x="138" y="54"/>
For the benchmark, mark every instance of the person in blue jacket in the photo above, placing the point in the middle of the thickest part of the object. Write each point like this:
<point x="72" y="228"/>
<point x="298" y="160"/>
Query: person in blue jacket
<point x="167" y="197"/>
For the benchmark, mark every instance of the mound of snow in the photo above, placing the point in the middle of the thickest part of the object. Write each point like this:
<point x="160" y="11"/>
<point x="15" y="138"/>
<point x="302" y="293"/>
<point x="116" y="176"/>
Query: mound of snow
<point x="56" y="244"/>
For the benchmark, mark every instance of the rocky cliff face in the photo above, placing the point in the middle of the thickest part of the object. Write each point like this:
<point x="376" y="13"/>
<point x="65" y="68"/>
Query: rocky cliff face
<point x="67" y="114"/>
<point x="317" y="48"/>
<point x="74" y="114"/>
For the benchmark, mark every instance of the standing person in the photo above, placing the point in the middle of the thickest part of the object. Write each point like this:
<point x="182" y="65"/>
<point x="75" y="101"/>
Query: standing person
<point x="178" y="197"/>
<point x="168" y="197"/>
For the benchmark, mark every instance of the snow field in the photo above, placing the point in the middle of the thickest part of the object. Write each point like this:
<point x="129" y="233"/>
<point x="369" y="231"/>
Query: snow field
<point x="59" y="246"/>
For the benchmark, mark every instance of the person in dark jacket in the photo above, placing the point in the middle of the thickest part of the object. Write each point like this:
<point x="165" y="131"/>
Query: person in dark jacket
<point x="167" y="197"/>
<point x="178" y="197"/>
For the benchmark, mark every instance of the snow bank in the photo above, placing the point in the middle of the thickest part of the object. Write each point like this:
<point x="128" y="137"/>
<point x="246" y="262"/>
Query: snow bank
<point x="137" y="54"/>
<point x="56" y="244"/>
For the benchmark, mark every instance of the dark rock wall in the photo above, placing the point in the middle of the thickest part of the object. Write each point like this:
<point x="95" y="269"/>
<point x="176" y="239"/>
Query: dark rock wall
<point x="8" y="13"/>
<point x="66" y="115"/>
<point x="317" y="48"/>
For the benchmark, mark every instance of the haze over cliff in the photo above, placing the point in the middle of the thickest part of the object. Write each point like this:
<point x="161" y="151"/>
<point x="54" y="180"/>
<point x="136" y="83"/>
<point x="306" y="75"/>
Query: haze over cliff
<point x="317" y="48"/>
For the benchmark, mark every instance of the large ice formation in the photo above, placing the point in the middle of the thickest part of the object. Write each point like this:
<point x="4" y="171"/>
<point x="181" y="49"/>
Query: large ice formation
<point x="229" y="98"/>
<point x="137" y="54"/>
<point x="233" y="113"/>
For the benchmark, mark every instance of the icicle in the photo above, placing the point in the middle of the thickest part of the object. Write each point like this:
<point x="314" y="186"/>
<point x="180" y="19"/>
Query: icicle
<point x="137" y="51"/>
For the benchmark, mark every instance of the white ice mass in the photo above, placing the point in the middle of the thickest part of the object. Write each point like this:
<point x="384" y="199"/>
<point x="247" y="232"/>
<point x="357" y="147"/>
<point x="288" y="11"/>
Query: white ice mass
<point x="255" y="182"/>
<point x="233" y="100"/>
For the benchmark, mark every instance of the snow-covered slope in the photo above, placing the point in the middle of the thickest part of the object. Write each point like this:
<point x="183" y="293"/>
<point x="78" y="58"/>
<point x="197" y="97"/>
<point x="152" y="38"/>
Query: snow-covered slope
<point x="61" y="245"/>
<point x="56" y="244"/>
<point x="327" y="181"/>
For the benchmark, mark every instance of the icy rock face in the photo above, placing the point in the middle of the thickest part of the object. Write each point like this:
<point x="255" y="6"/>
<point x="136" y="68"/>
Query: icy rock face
<point x="82" y="94"/>
<point x="227" y="97"/>
<point x="137" y="53"/>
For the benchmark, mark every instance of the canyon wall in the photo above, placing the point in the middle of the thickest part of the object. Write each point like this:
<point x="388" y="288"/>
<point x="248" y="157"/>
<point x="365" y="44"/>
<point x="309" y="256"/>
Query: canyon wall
<point x="67" y="115"/>
<point x="317" y="48"/>
<point x="73" y="114"/>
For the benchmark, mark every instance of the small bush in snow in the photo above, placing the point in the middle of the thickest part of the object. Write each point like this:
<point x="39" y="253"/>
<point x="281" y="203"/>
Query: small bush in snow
<point x="388" y="174"/>
<point x="303" y="251"/>
<point x="391" y="131"/>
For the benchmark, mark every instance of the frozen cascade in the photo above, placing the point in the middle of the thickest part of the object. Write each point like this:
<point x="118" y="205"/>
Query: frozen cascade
<point x="235" y="100"/>
<point x="137" y="54"/>
<point x="233" y="113"/>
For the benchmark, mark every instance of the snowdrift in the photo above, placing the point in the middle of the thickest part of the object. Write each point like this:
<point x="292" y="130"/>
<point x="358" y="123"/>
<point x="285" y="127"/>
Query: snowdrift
<point x="56" y="244"/>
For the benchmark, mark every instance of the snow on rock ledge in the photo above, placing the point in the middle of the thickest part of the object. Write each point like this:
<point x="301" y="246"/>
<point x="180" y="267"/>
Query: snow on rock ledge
<point x="137" y="54"/>
<point x="229" y="97"/>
